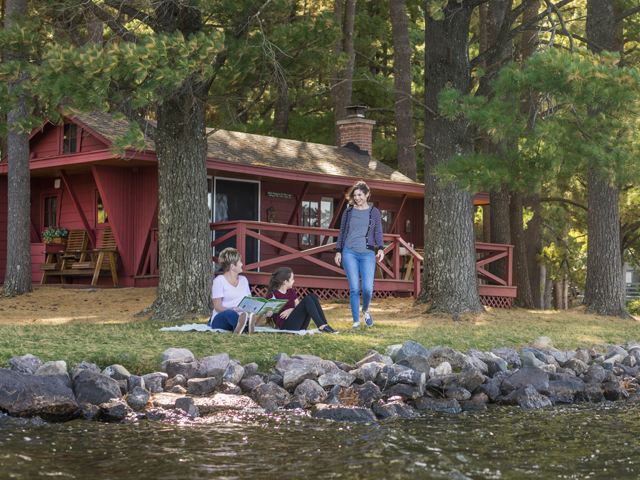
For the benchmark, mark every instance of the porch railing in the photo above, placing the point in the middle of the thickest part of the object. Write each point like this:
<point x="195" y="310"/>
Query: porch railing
<point x="492" y="252"/>
<point x="242" y="230"/>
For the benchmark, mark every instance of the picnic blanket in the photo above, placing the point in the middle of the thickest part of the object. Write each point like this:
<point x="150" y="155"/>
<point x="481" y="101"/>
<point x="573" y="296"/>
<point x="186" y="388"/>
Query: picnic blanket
<point x="202" y="327"/>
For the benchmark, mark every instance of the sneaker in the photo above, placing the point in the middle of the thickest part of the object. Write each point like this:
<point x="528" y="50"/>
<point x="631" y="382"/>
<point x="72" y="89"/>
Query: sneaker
<point x="252" y="323"/>
<point x="242" y="322"/>
<point x="367" y="319"/>
<point x="356" y="325"/>
<point x="328" y="329"/>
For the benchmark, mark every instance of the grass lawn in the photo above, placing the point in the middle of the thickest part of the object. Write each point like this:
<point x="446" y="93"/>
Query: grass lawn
<point x="137" y="344"/>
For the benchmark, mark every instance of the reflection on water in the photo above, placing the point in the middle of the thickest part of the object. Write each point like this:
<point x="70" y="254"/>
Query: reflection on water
<point x="598" y="442"/>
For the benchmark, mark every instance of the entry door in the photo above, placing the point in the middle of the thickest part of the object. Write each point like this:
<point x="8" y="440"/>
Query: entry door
<point x="237" y="200"/>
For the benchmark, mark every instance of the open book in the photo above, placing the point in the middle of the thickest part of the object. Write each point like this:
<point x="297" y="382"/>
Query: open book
<point x="260" y="306"/>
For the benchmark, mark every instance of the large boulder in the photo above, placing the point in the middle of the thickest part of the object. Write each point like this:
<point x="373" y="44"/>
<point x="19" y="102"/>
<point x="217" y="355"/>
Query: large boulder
<point x="344" y="414"/>
<point x="576" y="365"/>
<point x="536" y="353"/>
<point x="234" y="374"/>
<point x="296" y="373"/>
<point x="411" y="348"/>
<point x="530" y="360"/>
<point x="495" y="365"/>
<point x="188" y="369"/>
<point x="249" y="383"/>
<point x="537" y="378"/>
<point x="28" y="364"/>
<point x="583" y="355"/>
<point x="176" y="353"/>
<point x="614" y="391"/>
<point x="419" y="363"/>
<point x="270" y="396"/>
<point x="509" y="355"/>
<point x="202" y="386"/>
<point x="138" y="398"/>
<point x="595" y="374"/>
<point x="215" y="365"/>
<point x="154" y="382"/>
<point x="406" y="392"/>
<point x="188" y="406"/>
<point x="363" y="395"/>
<point x="55" y="369"/>
<point x="456" y="359"/>
<point x="26" y="395"/>
<point x="115" y="410"/>
<point x="95" y="388"/>
<point x="476" y="364"/>
<point x="526" y="397"/>
<point x="373" y="356"/>
<point x="563" y="357"/>
<point x="439" y="405"/>
<point x="310" y="391"/>
<point x="83" y="366"/>
<point x="394" y="374"/>
<point x="394" y="408"/>
<point x="339" y="377"/>
<point x="368" y="372"/>
<point x="469" y="380"/>
<point x="564" y="391"/>
<point x="117" y="372"/>
<point x="542" y="343"/>
<point x="392" y="351"/>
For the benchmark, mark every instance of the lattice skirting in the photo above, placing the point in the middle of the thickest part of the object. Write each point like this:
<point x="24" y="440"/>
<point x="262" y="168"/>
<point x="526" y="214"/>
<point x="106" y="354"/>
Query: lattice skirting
<point x="496" y="302"/>
<point x="322" y="293"/>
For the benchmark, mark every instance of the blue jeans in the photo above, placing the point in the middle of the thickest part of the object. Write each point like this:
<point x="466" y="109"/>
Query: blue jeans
<point x="358" y="265"/>
<point x="226" y="320"/>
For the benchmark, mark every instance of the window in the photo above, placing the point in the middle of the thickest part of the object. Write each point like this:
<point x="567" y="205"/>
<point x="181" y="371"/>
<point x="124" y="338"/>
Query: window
<point x="310" y="218"/>
<point x="387" y="220"/>
<point x="101" y="212"/>
<point x="70" y="138"/>
<point x="50" y="211"/>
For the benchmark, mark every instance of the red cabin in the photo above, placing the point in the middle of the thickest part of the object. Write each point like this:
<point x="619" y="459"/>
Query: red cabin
<point x="278" y="201"/>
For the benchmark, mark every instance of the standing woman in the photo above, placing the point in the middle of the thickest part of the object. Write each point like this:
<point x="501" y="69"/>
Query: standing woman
<point x="360" y="232"/>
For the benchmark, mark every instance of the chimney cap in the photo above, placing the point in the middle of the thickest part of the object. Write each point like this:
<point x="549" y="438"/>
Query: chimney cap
<point x="356" y="111"/>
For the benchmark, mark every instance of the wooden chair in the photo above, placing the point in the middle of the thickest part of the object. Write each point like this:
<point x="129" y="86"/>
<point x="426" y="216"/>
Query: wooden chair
<point x="103" y="259"/>
<point x="77" y="243"/>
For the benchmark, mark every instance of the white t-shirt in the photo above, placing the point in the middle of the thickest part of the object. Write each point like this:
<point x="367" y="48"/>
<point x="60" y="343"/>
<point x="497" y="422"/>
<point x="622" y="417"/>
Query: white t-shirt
<point x="230" y="295"/>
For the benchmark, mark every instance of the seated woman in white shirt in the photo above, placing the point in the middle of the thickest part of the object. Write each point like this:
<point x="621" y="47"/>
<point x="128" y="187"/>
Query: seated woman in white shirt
<point x="227" y="291"/>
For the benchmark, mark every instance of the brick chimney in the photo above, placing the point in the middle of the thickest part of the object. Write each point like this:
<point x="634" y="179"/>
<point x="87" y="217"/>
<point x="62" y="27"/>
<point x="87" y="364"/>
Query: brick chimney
<point x="356" y="132"/>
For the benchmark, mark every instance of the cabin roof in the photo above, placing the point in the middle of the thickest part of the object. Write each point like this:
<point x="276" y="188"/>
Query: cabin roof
<point x="260" y="150"/>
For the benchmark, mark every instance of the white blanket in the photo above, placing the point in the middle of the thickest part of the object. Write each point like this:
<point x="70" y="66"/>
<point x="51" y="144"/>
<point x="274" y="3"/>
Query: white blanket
<point x="202" y="327"/>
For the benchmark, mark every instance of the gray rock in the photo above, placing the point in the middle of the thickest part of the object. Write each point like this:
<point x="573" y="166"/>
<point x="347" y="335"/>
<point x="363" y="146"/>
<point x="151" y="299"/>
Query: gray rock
<point x="563" y="357"/>
<point x="234" y="374"/>
<point x="456" y="359"/>
<point x="176" y="353"/>
<point x="614" y="350"/>
<point x="187" y="405"/>
<point x="495" y="365"/>
<point x="614" y="391"/>
<point x="215" y="365"/>
<point x="564" y="391"/>
<point x="297" y="403"/>
<point x="393" y="409"/>
<point x="117" y="372"/>
<point x="628" y="361"/>
<point x="251" y="369"/>
<point x="394" y="374"/>
<point x="476" y="364"/>
<point x="88" y="412"/>
<point x="202" y="386"/>
<point x="506" y="387"/>
<point x="285" y="363"/>
<point x="311" y="391"/>
<point x="95" y="388"/>
<point x="339" y="377"/>
<point x="438" y="405"/>
<point x="135" y="381"/>
<point x="509" y="355"/>
<point x="536" y="353"/>
<point x="615" y="358"/>
<point x="535" y="377"/>
<point x="307" y="358"/>
<point x="529" y="398"/>
<point x="592" y="393"/>
<point x="419" y="363"/>
<point x="404" y="391"/>
<point x="278" y="356"/>
<point x="27" y="395"/>
<point x="154" y="382"/>
<point x="27" y="364"/>
<point x="368" y="372"/>
<point x="177" y="389"/>
<point x="248" y="384"/>
<point x="392" y="351"/>
<point x="530" y="360"/>
<point x="345" y="367"/>
<point x="469" y="380"/>
<point x="55" y="369"/>
<point x="344" y="414"/>
<point x="634" y="398"/>
<point x="542" y="343"/>
<point x="491" y="390"/>
<point x="296" y="373"/>
<point x="576" y="365"/>
<point x="277" y="379"/>
<point x="411" y="348"/>
<point x="457" y="393"/>
<point x="364" y="395"/>
<point x="473" y="406"/>
<point x="124" y="386"/>
<point x="582" y="354"/>
<point x="83" y="366"/>
<point x="270" y="396"/>
<point x="138" y="398"/>
<point x="443" y="369"/>
<point x="187" y="369"/>
<point x="374" y="356"/>
<point x="115" y="410"/>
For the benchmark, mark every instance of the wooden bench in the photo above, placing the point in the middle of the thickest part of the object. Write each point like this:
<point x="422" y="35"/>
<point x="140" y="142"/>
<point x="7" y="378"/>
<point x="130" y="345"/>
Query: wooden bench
<point x="103" y="259"/>
<point x="77" y="243"/>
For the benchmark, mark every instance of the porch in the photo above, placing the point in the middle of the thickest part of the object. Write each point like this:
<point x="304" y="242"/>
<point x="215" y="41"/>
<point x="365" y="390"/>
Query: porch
<point x="317" y="273"/>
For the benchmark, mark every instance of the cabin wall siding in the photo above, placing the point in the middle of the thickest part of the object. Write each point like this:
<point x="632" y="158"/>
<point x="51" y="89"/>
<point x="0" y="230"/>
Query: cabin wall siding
<point x="3" y="226"/>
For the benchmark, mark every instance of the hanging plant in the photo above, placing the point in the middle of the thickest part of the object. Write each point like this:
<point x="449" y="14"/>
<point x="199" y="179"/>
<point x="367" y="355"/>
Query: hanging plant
<point x="52" y="233"/>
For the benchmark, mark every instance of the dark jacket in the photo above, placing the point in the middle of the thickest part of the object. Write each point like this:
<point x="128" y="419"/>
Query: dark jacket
<point x="374" y="232"/>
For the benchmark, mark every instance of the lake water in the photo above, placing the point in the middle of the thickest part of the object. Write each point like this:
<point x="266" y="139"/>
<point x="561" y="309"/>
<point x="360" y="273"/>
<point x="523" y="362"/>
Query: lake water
<point x="597" y="442"/>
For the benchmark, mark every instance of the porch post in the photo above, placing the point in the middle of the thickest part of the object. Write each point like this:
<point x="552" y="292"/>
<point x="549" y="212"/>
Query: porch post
<point x="76" y="202"/>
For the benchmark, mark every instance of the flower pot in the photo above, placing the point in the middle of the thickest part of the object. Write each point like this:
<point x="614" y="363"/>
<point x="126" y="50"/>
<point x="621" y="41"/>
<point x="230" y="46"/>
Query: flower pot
<point x="58" y="240"/>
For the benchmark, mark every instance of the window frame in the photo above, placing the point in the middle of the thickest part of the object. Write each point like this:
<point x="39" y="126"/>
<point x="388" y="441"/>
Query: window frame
<point x="78" y="138"/>
<point x="388" y="223"/>
<point x="43" y="197"/>
<point x="309" y="236"/>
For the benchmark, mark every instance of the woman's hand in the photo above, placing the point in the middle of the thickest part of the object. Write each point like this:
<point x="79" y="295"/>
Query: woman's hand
<point x="338" y="258"/>
<point x="380" y="254"/>
<point x="269" y="313"/>
<point x="285" y="314"/>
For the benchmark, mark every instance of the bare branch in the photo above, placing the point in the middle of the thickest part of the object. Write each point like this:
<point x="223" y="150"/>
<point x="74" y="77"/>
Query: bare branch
<point x="564" y="200"/>
<point x="564" y="26"/>
<point x="628" y="13"/>
<point x="393" y="90"/>
<point x="557" y="236"/>
<point x="132" y="13"/>
<point x="111" y="22"/>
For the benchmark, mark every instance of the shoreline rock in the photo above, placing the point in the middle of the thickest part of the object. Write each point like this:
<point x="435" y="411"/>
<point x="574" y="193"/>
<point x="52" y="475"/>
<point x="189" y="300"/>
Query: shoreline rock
<point x="406" y="380"/>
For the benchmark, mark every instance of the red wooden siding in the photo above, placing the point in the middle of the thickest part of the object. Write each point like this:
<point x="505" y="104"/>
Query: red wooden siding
<point x="3" y="227"/>
<point x="48" y="142"/>
<point x="145" y="212"/>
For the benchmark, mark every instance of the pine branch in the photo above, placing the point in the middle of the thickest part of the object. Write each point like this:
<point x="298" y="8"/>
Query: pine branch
<point x="374" y="62"/>
<point x="133" y="13"/>
<point x="564" y="200"/>
<point x="393" y="90"/>
<point x="629" y="228"/>
<point x="628" y="13"/>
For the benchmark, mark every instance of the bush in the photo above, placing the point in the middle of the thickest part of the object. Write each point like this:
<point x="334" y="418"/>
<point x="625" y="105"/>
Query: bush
<point x="633" y="306"/>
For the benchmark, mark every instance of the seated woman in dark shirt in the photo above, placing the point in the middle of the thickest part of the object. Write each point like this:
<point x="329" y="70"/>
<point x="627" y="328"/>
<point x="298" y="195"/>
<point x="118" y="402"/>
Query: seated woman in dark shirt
<point x="296" y="314"/>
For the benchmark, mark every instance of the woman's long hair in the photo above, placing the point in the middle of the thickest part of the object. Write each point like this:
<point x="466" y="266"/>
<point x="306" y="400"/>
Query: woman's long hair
<point x="359" y="185"/>
<point x="281" y="275"/>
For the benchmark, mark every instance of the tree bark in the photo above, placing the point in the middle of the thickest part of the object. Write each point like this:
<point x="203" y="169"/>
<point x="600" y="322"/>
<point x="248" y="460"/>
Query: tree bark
<point x="343" y="81"/>
<point x="533" y="241"/>
<point x="486" y="224"/>
<point x="281" y="111"/>
<point x="449" y="281"/>
<point x="186" y="269"/>
<point x="520" y="265"/>
<point x="18" y="274"/>
<point x="604" y="291"/>
<point x="402" y="81"/>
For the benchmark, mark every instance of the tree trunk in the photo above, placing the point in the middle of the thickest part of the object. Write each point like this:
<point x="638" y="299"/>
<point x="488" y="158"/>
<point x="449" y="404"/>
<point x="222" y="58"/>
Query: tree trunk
<point x="604" y="291"/>
<point x="186" y="268"/>
<point x="486" y="223"/>
<point x="18" y="274"/>
<point x="343" y="81"/>
<point x="449" y="281"/>
<point x="95" y="31"/>
<point x="533" y="241"/>
<point x="520" y="266"/>
<point x="500" y="227"/>
<point x="281" y="112"/>
<point x="402" y="81"/>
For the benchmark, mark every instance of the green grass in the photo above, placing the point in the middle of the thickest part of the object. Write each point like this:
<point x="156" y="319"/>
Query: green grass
<point x="137" y="345"/>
